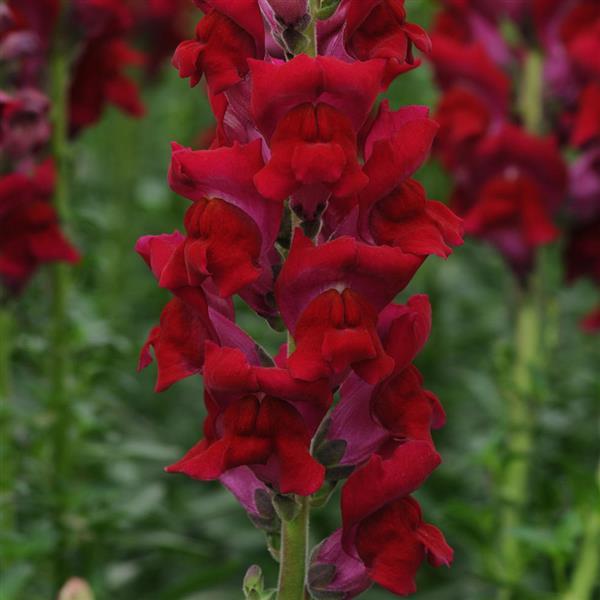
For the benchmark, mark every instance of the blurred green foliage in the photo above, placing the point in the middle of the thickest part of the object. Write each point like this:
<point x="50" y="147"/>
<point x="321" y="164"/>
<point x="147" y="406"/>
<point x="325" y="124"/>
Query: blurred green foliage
<point x="136" y="533"/>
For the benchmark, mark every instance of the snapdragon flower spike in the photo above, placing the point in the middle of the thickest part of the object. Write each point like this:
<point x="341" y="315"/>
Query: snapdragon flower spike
<point x="300" y="137"/>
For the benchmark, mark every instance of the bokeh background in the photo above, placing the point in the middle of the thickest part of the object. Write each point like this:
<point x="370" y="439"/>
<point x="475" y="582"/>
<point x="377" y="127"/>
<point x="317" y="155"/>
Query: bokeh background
<point x="135" y="532"/>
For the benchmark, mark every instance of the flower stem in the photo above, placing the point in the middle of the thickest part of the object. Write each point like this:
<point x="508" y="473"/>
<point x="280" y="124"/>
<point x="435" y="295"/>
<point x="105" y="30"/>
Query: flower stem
<point x="531" y="93"/>
<point x="61" y="280"/>
<point x="585" y="576"/>
<point x="529" y="357"/>
<point x="311" y="30"/>
<point x="520" y="425"/>
<point x="294" y="534"/>
<point x="6" y="456"/>
<point x="294" y="552"/>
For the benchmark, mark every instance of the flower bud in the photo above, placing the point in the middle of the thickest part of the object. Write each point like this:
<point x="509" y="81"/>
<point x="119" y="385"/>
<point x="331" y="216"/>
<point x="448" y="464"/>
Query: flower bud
<point x="286" y="506"/>
<point x="290" y="12"/>
<point x="76" y="589"/>
<point x="253" y="581"/>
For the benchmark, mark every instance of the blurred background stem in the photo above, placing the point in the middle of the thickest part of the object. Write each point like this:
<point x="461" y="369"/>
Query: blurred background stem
<point x="6" y="448"/>
<point x="59" y="359"/>
<point x="520" y="426"/>
<point x="585" y="576"/>
<point x="530" y="358"/>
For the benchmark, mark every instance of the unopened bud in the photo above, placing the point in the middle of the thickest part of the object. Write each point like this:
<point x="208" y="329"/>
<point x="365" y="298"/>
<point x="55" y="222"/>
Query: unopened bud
<point x="76" y="589"/>
<point x="253" y="581"/>
<point x="331" y="452"/>
<point x="291" y="12"/>
<point x="286" y="506"/>
<point x="327" y="8"/>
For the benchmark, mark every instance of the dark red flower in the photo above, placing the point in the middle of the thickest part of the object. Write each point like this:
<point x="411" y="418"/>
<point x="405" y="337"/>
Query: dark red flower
<point x="407" y="220"/>
<point x="580" y="32"/>
<point x="178" y="343"/>
<point x="103" y="18"/>
<point x="366" y="417"/>
<point x="383" y="526"/>
<point x="378" y="29"/>
<point x="394" y="541"/>
<point x="222" y="243"/>
<point x="227" y="174"/>
<point x="376" y="274"/>
<point x="197" y="314"/>
<point x="383" y="480"/>
<point x="511" y="214"/>
<point x="99" y="79"/>
<point x="260" y="417"/>
<point x="277" y="88"/>
<point x="253" y="431"/>
<point x="582" y="253"/>
<point x="464" y="119"/>
<point x="470" y="66"/>
<point x="397" y="144"/>
<point x="337" y="331"/>
<point x="587" y="120"/>
<point x="30" y="233"/>
<point x="406" y="409"/>
<point x="24" y="124"/>
<point x="219" y="51"/>
<point x="591" y="322"/>
<point x="313" y="151"/>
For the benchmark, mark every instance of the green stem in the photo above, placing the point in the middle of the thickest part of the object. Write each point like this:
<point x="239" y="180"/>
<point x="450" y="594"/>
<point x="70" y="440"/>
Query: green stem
<point x="6" y="330"/>
<point x="6" y="446"/>
<point x="585" y="577"/>
<point x="311" y="30"/>
<point x="520" y="428"/>
<point x="529" y="357"/>
<point x="531" y="105"/>
<point x="294" y="534"/>
<point x="61" y="281"/>
<point x="294" y="554"/>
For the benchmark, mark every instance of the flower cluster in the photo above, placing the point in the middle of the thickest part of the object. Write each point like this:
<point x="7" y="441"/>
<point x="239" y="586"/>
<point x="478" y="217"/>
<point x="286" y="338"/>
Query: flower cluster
<point x="30" y="30"/>
<point x="506" y="147"/>
<point x="305" y="207"/>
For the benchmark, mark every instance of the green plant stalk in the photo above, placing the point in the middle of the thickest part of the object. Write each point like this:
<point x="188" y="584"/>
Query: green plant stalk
<point x="520" y="430"/>
<point x="294" y="554"/>
<point x="531" y="106"/>
<point x="59" y="359"/>
<point x="6" y="331"/>
<point x="295" y="533"/>
<point x="585" y="576"/>
<point x="311" y="30"/>
<point x="529" y="358"/>
<point x="6" y="449"/>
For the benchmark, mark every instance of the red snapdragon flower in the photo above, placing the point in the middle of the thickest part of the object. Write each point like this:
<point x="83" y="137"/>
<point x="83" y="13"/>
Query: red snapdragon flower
<point x="219" y="51"/>
<point x="254" y="419"/>
<point x="99" y="79"/>
<point x="383" y="526"/>
<point x="30" y="233"/>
